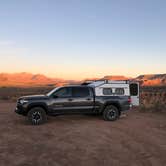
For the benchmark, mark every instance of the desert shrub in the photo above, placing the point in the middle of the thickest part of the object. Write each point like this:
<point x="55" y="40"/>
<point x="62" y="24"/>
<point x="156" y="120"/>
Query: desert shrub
<point x="14" y="98"/>
<point x="144" y="107"/>
<point x="141" y="108"/>
<point x="4" y="97"/>
<point x="3" y="87"/>
<point x="155" y="107"/>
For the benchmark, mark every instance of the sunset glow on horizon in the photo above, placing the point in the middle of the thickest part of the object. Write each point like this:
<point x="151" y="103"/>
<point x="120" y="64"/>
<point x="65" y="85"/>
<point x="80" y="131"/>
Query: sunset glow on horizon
<point x="83" y="39"/>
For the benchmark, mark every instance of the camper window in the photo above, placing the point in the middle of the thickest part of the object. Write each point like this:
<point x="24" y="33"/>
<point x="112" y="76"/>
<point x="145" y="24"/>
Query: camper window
<point x="119" y="91"/>
<point x="107" y="91"/>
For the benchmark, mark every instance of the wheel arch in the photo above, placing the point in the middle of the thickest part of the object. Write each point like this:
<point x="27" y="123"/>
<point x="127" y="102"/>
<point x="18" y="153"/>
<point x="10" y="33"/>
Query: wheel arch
<point x="116" y="104"/>
<point x="41" y="105"/>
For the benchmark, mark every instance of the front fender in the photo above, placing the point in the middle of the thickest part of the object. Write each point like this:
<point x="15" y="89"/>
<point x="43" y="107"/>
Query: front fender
<point x="37" y="104"/>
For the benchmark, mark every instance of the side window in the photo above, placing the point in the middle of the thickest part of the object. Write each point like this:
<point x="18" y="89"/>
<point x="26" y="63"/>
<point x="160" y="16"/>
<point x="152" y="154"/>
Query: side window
<point x="107" y="91"/>
<point x="63" y="92"/>
<point x="133" y="89"/>
<point x="119" y="91"/>
<point x="81" y="92"/>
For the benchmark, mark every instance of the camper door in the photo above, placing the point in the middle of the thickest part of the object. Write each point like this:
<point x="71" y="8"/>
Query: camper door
<point x="134" y="93"/>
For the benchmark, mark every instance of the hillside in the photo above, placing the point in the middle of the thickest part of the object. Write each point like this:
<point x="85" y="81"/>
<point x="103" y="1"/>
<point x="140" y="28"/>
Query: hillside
<point x="145" y="80"/>
<point x="28" y="79"/>
<point x="115" y="77"/>
<point x="152" y="79"/>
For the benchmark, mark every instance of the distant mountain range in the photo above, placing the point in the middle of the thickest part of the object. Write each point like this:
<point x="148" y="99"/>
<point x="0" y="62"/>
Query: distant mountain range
<point x="28" y="79"/>
<point x="152" y="79"/>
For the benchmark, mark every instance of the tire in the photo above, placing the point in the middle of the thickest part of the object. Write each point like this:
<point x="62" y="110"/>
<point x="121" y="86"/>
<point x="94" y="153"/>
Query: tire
<point x="37" y="116"/>
<point x="111" y="113"/>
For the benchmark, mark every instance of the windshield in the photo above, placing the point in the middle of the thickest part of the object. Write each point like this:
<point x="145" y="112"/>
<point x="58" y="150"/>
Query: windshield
<point x="52" y="91"/>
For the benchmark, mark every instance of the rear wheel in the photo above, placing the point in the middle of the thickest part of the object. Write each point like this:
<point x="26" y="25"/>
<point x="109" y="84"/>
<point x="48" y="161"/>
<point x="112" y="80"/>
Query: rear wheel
<point x="37" y="116"/>
<point x="111" y="113"/>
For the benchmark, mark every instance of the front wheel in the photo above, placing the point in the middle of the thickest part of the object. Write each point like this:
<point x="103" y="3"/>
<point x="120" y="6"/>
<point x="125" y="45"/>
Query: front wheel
<point x="111" y="113"/>
<point x="37" y="116"/>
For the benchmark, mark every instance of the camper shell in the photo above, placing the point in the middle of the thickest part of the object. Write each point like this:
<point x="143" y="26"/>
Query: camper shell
<point x="116" y="88"/>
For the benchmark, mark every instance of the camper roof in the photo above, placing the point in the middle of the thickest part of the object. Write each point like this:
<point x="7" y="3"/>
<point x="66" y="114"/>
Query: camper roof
<point x="101" y="82"/>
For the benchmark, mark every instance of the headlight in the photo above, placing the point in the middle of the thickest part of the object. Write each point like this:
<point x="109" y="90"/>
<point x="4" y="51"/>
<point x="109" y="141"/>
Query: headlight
<point x="23" y="101"/>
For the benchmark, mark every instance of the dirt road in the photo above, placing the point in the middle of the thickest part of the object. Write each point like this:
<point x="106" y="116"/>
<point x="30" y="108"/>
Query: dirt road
<point x="138" y="139"/>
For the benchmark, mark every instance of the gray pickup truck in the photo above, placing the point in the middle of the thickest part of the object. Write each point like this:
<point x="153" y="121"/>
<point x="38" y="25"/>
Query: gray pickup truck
<point x="71" y="100"/>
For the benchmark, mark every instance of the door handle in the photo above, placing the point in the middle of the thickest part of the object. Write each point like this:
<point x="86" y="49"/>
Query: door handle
<point x="88" y="99"/>
<point x="70" y="99"/>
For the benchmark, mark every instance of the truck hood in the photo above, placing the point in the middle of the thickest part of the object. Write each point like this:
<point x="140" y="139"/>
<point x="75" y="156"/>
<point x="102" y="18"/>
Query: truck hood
<point x="34" y="97"/>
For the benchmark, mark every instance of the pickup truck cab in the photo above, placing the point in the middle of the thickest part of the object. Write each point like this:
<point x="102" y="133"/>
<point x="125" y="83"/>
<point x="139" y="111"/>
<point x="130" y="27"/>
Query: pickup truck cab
<point x="80" y="99"/>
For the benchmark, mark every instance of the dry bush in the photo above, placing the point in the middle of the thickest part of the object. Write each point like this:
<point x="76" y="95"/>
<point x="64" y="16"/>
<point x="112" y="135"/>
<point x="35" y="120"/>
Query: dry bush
<point x="13" y="93"/>
<point x="156" y="107"/>
<point x="153" y="99"/>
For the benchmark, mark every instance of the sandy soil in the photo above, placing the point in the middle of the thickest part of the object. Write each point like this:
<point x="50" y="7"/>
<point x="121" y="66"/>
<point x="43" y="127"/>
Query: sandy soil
<point x="137" y="139"/>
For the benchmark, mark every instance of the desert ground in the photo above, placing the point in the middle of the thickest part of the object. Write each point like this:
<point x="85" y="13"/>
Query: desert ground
<point x="136" y="139"/>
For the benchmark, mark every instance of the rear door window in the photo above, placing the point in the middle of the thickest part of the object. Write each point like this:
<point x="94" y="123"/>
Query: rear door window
<point x="81" y="91"/>
<point x="134" y="89"/>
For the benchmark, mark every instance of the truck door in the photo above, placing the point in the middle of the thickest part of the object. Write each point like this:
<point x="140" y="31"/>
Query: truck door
<point x="82" y="100"/>
<point x="61" y="101"/>
<point x="134" y="94"/>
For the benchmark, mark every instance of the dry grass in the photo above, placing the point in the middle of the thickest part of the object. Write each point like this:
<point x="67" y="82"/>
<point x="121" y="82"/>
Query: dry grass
<point x="153" y="99"/>
<point x="13" y="93"/>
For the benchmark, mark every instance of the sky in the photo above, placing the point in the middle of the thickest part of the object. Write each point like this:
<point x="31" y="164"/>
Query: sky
<point x="76" y="39"/>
